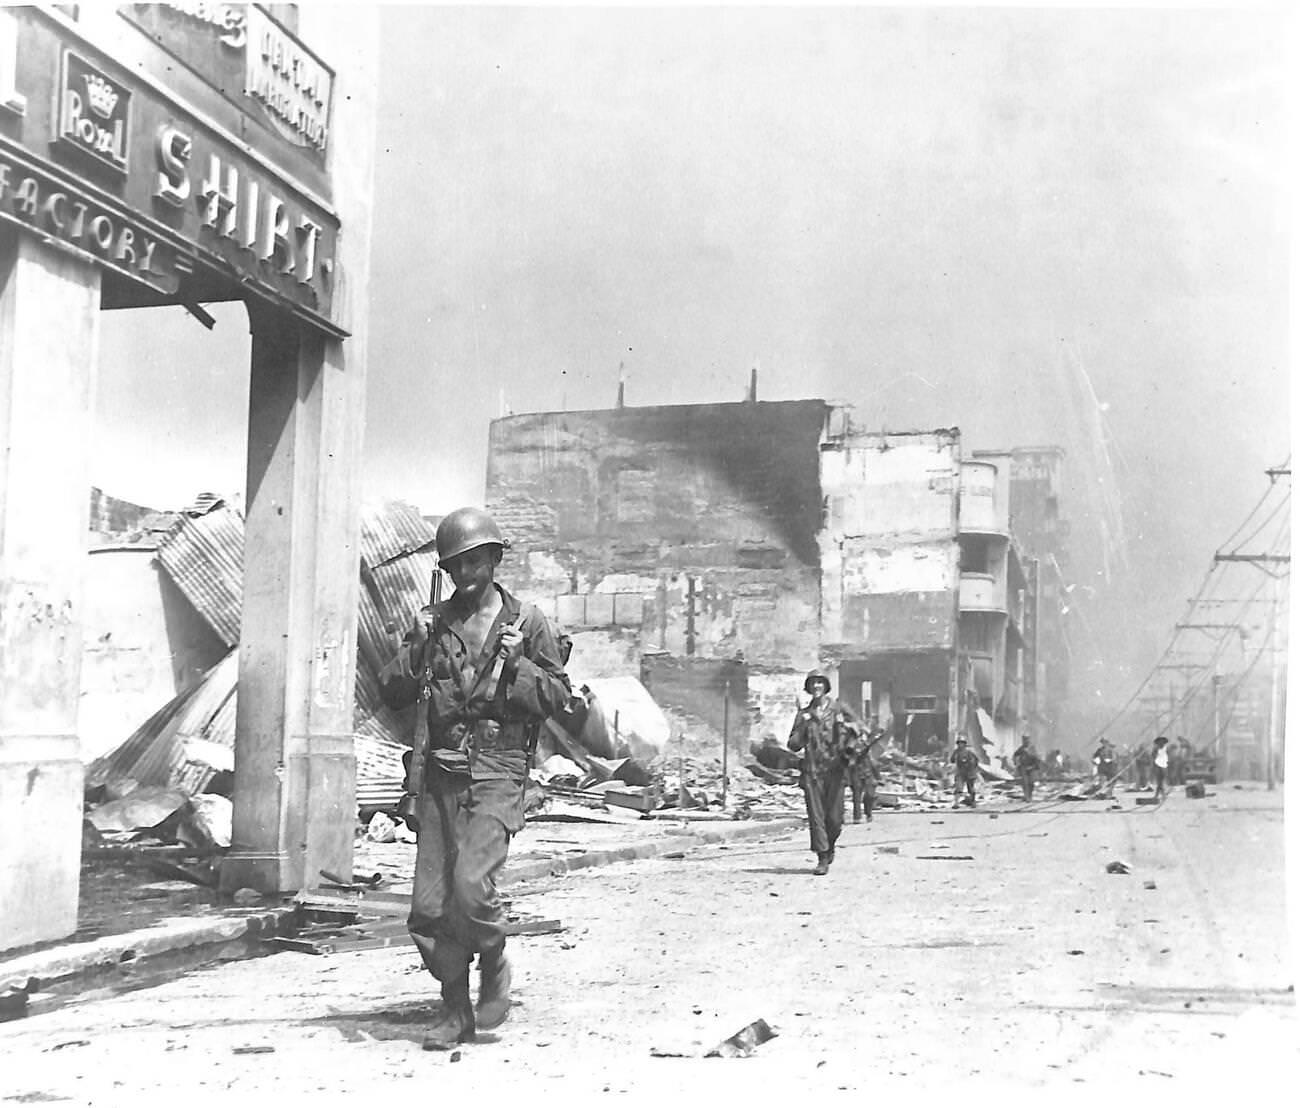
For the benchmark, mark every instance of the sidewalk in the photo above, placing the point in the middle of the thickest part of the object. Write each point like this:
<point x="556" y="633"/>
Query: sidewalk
<point x="542" y="849"/>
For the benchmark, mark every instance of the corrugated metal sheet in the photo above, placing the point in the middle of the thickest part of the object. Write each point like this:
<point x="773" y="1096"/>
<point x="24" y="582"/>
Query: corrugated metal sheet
<point x="204" y="555"/>
<point x="156" y="753"/>
<point x="159" y="752"/>
<point x="402" y="586"/>
<point x="391" y="529"/>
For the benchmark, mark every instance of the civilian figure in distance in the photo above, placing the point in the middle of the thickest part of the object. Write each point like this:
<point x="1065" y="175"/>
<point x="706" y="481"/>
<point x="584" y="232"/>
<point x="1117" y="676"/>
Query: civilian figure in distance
<point x="1160" y="764"/>
<point x="822" y="731"/>
<point x="489" y="671"/>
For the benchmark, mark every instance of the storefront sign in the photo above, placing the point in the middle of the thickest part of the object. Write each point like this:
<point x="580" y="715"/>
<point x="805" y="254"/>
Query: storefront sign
<point x="158" y="189"/>
<point x="32" y="197"/>
<point x="252" y="60"/>
<point x="287" y="80"/>
<point x="94" y="112"/>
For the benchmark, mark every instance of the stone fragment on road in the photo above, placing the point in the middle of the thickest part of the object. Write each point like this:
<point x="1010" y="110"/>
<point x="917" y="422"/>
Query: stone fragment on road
<point x="744" y="1042"/>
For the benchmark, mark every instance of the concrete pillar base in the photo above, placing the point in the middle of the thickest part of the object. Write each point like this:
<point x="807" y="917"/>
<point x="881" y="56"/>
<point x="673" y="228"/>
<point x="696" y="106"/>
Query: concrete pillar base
<point x="49" y="328"/>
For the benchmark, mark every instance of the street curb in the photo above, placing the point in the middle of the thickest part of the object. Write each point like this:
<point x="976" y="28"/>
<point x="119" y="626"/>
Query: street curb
<point x="30" y="972"/>
<point x="690" y="836"/>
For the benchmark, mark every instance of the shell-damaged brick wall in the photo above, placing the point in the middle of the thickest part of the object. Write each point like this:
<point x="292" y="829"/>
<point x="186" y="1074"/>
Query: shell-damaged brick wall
<point x="693" y="526"/>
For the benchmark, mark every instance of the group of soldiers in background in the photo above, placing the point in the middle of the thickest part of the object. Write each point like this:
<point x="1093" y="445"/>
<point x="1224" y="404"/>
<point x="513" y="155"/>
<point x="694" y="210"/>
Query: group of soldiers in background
<point x="1178" y="754"/>
<point x="1159" y="766"/>
<point x="836" y="744"/>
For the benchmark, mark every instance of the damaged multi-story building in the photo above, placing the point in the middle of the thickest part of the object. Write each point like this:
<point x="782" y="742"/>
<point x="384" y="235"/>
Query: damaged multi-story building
<point x="723" y="550"/>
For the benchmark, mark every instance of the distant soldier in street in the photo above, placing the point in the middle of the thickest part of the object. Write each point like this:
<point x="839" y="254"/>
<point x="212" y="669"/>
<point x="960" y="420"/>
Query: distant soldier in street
<point x="1027" y="765"/>
<point x="822" y="731"/>
<point x="1055" y="767"/>
<point x="1181" y="751"/>
<point x="1106" y="765"/>
<point x="966" y="769"/>
<point x="1160" y="763"/>
<point x="1142" y="762"/>
<point x="490" y="670"/>
<point x="861" y="770"/>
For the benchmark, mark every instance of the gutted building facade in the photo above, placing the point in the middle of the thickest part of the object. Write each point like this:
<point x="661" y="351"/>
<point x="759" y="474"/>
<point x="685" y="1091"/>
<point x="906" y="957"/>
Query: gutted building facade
<point x="721" y="551"/>
<point x="890" y="575"/>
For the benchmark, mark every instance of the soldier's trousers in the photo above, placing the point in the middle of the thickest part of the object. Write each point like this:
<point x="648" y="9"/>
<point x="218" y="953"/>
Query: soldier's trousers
<point x="961" y="784"/>
<point x="1027" y="783"/>
<point x="823" y="796"/>
<point x="862" y="788"/>
<point x="464" y="837"/>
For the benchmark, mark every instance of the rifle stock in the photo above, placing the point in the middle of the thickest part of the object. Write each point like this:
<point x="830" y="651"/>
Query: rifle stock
<point x="420" y="741"/>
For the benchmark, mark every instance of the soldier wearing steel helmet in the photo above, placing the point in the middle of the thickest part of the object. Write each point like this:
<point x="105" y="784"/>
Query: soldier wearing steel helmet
<point x="823" y="730"/>
<point x="491" y="670"/>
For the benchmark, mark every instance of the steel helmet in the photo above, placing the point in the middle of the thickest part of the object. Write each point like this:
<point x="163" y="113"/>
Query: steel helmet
<point x="464" y="529"/>
<point x="816" y="675"/>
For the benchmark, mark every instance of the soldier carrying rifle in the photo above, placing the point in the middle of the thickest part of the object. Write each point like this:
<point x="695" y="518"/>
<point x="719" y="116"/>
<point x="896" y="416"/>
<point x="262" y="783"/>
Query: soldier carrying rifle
<point x="490" y="671"/>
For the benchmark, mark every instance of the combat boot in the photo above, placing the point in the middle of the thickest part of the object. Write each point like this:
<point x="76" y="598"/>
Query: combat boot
<point x="454" y="1023"/>
<point x="823" y="864"/>
<point x="493" y="989"/>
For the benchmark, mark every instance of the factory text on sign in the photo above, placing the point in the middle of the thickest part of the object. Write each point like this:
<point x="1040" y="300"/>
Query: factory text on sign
<point x="33" y="198"/>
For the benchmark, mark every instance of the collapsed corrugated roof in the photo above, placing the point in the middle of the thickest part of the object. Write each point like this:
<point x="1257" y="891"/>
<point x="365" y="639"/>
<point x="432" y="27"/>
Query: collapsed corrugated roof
<point x="204" y="556"/>
<point x="181" y="745"/>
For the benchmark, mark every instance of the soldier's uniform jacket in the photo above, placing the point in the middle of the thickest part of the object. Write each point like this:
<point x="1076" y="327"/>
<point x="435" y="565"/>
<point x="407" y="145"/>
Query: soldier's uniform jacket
<point x="857" y="753"/>
<point x="967" y="763"/>
<point x="822" y="731"/>
<point x="1025" y="759"/>
<point x="483" y="717"/>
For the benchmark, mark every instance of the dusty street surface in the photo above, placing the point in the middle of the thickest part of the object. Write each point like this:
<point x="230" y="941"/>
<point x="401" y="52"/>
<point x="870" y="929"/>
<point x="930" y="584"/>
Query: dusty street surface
<point x="1026" y="965"/>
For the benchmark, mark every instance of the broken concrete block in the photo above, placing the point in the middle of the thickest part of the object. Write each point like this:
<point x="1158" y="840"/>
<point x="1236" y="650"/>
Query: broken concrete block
<point x="744" y="1042"/>
<point x="381" y="829"/>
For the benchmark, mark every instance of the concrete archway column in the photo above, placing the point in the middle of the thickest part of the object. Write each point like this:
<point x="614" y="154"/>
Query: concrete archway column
<point x="49" y="343"/>
<point x="295" y="790"/>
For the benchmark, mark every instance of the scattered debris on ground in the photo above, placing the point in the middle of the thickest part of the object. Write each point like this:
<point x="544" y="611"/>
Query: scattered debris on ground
<point x="744" y="1042"/>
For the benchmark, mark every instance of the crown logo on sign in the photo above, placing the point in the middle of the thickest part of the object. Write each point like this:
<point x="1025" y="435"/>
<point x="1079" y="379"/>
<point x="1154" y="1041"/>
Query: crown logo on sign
<point x="103" y="96"/>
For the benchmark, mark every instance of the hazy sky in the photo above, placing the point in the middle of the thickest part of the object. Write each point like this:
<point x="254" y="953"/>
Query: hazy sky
<point x="987" y="218"/>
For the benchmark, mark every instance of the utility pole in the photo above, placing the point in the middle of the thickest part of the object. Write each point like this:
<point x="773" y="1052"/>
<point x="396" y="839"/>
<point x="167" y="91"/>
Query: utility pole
<point x="1274" y="683"/>
<point x="1261" y="561"/>
<point x="1215" y="681"/>
<point x="726" y="729"/>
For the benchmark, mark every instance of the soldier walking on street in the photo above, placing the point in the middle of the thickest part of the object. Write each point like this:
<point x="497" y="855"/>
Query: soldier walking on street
<point x="966" y="766"/>
<point x="822" y="731"/>
<point x="1107" y="768"/>
<point x="1027" y="765"/>
<point x="862" y="772"/>
<point x="1143" y="764"/>
<point x="490" y="670"/>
